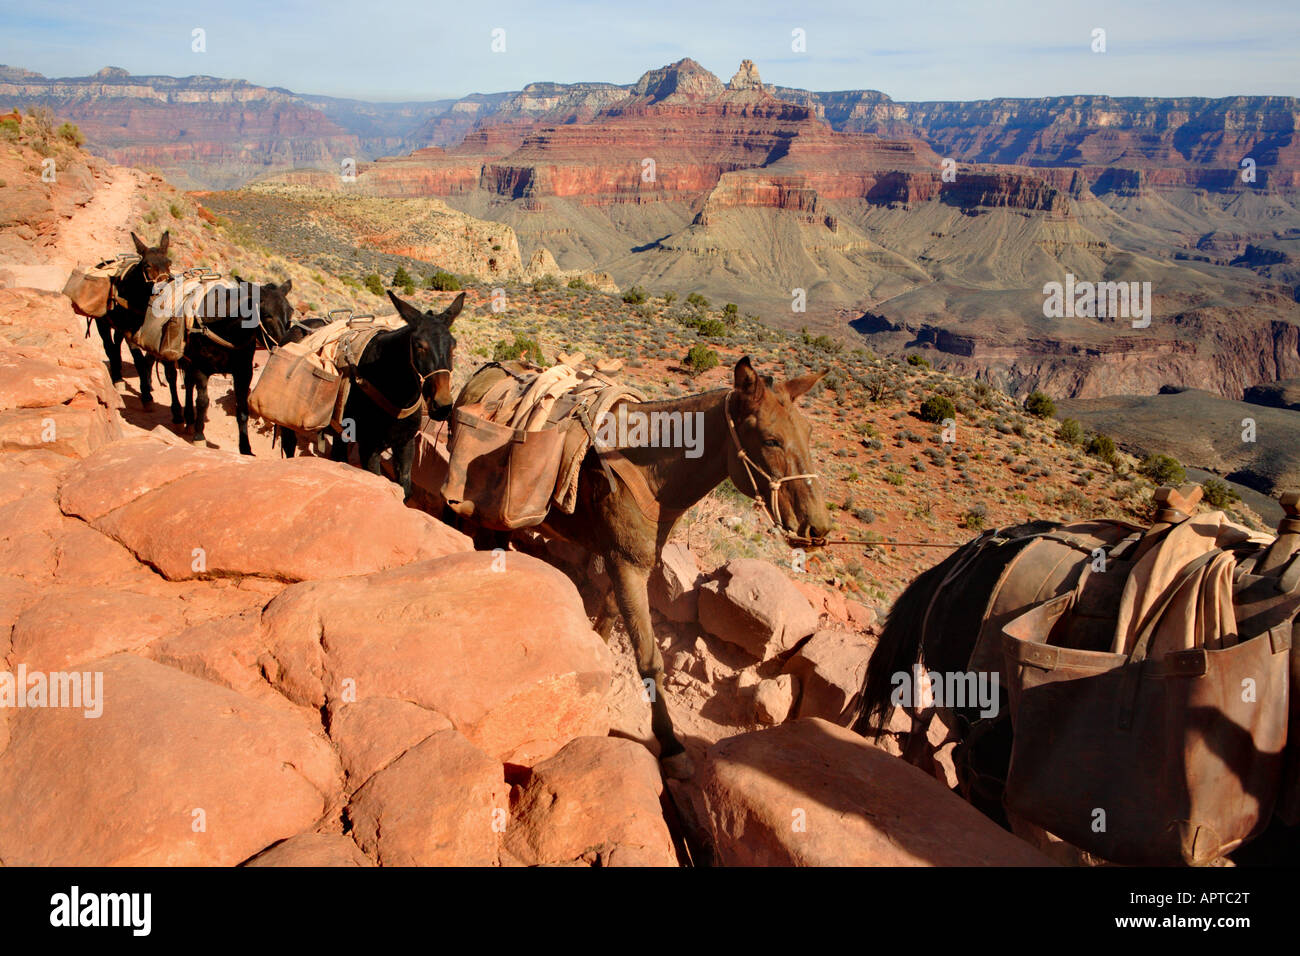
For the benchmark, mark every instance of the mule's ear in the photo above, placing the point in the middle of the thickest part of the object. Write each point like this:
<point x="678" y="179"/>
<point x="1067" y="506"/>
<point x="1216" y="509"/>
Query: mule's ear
<point x="286" y="286"/>
<point x="164" y="241"/>
<point x="140" y="246"/>
<point x="408" y="312"/>
<point x="747" y="383"/>
<point x="453" y="310"/>
<point x="795" y="387"/>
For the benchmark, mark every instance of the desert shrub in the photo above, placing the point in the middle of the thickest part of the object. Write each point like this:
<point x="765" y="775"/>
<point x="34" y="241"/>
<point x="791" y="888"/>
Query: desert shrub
<point x="578" y="283"/>
<point x="1040" y="405"/>
<point x="1070" y="432"/>
<point x="711" y="328"/>
<point x="10" y="129"/>
<point x="822" y="343"/>
<point x="1163" y="470"/>
<point x="936" y="408"/>
<point x="401" y="278"/>
<point x="701" y="358"/>
<point x="634" y="295"/>
<point x="442" y="281"/>
<point x="1218" y="493"/>
<point x="545" y="283"/>
<point x="521" y="349"/>
<point x="1101" y="446"/>
<point x="975" y="518"/>
<point x="374" y="284"/>
<point x="670" y="298"/>
<point x="71" y="133"/>
<point x="731" y="313"/>
<point x="697" y="300"/>
<point x="918" y="361"/>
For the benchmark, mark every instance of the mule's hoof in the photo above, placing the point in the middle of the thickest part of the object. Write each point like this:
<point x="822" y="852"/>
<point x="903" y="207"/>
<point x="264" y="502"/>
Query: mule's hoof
<point x="678" y="767"/>
<point x="198" y="440"/>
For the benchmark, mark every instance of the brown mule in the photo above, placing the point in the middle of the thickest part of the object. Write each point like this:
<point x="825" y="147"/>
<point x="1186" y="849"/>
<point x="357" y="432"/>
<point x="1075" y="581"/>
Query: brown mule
<point x="751" y="433"/>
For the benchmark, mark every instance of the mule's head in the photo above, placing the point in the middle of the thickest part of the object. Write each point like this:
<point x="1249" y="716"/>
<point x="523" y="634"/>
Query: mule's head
<point x="432" y="348"/>
<point x="274" y="309"/>
<point x="773" y="434"/>
<point x="154" y="263"/>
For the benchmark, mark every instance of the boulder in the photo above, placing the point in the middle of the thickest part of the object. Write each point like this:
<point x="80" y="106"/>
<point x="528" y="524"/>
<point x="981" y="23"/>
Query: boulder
<point x="774" y="699"/>
<point x="597" y="802"/>
<point x="374" y="732"/>
<point x="313" y="849"/>
<point x="69" y="625"/>
<point x="442" y="803"/>
<point x="674" y="584"/>
<point x="293" y="520"/>
<point x="809" y="793"/>
<point x="830" y="666"/>
<point x="751" y="604"/>
<point x="175" y="771"/>
<point x="502" y="649"/>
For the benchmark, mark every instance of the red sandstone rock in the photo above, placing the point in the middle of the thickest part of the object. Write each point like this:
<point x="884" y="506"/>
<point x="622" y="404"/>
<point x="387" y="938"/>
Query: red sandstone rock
<point x="374" y="732"/>
<point x="830" y="667"/>
<point x="519" y="683"/>
<point x="597" y="802"/>
<point x="809" y="793"/>
<point x="123" y="788"/>
<point x="751" y="604"/>
<point x="774" y="698"/>
<point x="674" y="584"/>
<point x="442" y="803"/>
<point x="313" y="849"/>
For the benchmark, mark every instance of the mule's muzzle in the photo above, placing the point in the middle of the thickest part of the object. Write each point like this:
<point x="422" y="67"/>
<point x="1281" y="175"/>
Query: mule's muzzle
<point x="439" y="413"/>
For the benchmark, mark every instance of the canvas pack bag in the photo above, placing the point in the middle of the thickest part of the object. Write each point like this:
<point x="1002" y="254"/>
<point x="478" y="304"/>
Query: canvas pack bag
<point x="1145" y="757"/>
<point x="175" y="310"/>
<point x="304" y="384"/>
<point x="90" y="288"/>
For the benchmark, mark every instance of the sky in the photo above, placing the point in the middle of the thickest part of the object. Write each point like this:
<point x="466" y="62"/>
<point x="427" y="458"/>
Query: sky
<point x="920" y="50"/>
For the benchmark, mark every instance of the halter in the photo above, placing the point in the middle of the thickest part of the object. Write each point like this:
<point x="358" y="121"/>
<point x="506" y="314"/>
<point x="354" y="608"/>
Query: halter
<point x="773" y="483"/>
<point x="380" y="399"/>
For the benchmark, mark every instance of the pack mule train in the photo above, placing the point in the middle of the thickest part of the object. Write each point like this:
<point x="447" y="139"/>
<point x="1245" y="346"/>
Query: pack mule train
<point x="116" y="295"/>
<point x="202" y="322"/>
<point x="365" y="384"/>
<point x="754" y="434"/>
<point x="1149" y="679"/>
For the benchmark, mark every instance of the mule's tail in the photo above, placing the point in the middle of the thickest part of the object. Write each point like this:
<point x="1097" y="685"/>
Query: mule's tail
<point x="900" y="642"/>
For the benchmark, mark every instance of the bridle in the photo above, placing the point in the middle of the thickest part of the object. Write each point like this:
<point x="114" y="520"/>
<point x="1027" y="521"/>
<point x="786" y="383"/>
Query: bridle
<point x="380" y="399"/>
<point x="771" y="507"/>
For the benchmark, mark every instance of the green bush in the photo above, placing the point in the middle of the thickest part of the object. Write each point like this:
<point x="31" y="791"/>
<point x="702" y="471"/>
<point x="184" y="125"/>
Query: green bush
<point x="1040" y="405"/>
<point x="577" y="283"/>
<point x="1070" y="432"/>
<point x="697" y="300"/>
<point x="521" y="349"/>
<point x="701" y="358"/>
<point x="9" y="129"/>
<point x="634" y="295"/>
<point x="72" y="134"/>
<point x="1163" y="470"/>
<point x="374" y="284"/>
<point x="936" y="408"/>
<point x="402" y="278"/>
<point x="670" y="298"/>
<point x="1103" y="447"/>
<point x="1218" y="493"/>
<point x="442" y="281"/>
<point x="918" y="361"/>
<point x="546" y="283"/>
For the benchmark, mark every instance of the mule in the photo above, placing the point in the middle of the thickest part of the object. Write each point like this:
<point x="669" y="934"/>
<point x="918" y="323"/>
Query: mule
<point x="755" y="435"/>
<point x="135" y="289"/>
<point x="400" y="373"/>
<point x="227" y="346"/>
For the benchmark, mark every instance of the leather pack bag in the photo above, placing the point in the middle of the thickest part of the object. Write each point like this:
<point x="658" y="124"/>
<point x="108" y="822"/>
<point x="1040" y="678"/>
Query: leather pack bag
<point x="296" y="390"/>
<point x="90" y="288"/>
<point x="1170" y="759"/>
<point x="502" y="477"/>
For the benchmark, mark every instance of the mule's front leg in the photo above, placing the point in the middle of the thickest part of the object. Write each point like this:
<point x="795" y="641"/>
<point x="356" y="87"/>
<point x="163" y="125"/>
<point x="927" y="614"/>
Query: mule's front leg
<point x="631" y="587"/>
<point x="403" y="458"/>
<point x="112" y="349"/>
<point x="243" y="378"/>
<point x="144" y="365"/>
<point x="169" y="369"/>
<point x="189" y="396"/>
<point x="200" y="384"/>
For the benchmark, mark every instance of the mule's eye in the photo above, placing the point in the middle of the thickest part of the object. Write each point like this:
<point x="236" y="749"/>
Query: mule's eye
<point x="771" y="443"/>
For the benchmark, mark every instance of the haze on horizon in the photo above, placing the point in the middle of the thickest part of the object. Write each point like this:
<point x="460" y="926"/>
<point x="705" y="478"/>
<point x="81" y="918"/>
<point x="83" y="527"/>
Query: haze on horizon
<point x="409" y="49"/>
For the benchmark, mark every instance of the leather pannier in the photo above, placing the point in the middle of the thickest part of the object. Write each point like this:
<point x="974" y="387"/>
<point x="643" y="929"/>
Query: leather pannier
<point x="296" y="391"/>
<point x="1172" y="760"/>
<point x="501" y="477"/>
<point x="89" y="292"/>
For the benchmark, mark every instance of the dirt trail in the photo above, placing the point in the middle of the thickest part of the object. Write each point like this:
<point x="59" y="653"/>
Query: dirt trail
<point x="94" y="231"/>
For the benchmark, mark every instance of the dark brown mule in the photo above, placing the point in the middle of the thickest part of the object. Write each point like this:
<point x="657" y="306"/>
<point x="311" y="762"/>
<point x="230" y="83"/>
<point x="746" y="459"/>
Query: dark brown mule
<point x="753" y="434"/>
